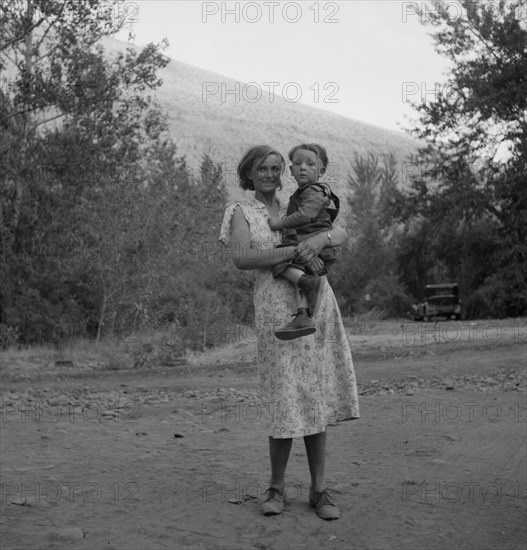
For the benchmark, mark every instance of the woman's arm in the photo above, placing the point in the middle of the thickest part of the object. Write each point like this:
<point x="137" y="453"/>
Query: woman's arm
<point x="338" y="236"/>
<point x="248" y="257"/>
<point x="311" y="247"/>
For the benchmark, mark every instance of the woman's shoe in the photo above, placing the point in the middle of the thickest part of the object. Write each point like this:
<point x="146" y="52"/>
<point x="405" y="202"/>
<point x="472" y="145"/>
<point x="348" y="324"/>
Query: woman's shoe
<point x="323" y="504"/>
<point x="274" y="503"/>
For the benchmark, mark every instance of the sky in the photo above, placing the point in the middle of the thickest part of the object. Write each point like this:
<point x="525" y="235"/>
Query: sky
<point x="362" y="59"/>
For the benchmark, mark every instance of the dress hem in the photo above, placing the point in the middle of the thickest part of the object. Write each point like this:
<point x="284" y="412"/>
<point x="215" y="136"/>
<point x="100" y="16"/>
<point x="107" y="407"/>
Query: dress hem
<point x="312" y="431"/>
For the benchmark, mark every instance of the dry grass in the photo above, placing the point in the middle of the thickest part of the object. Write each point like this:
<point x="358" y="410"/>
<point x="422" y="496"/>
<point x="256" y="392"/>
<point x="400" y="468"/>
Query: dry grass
<point x="372" y="323"/>
<point x="83" y="354"/>
<point x="365" y="334"/>
<point x="235" y="352"/>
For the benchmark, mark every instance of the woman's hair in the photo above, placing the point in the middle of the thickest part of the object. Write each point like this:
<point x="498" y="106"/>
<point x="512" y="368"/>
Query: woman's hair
<point x="253" y="158"/>
<point x="313" y="147"/>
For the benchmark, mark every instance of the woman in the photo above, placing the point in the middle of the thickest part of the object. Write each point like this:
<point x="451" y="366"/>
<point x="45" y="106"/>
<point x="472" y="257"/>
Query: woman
<point x="304" y="383"/>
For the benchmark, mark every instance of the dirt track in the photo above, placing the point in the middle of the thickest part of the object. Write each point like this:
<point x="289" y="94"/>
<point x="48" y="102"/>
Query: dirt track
<point x="176" y="458"/>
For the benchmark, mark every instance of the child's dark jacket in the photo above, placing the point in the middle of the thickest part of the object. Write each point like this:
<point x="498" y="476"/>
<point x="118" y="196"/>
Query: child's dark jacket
<point x="311" y="209"/>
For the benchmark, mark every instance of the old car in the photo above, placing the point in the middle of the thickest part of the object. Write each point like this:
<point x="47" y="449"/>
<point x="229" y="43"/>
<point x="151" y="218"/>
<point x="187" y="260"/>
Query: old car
<point x="441" y="300"/>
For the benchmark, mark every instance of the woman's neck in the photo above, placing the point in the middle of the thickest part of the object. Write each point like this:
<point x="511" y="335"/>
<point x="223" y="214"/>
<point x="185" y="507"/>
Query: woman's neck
<point x="269" y="199"/>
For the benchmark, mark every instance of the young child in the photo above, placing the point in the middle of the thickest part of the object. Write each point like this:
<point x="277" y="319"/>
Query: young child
<point x="312" y="208"/>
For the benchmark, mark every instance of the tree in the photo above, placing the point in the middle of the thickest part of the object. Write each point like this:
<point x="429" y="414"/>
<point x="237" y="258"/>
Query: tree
<point x="103" y="230"/>
<point x="77" y="130"/>
<point x="474" y="167"/>
<point x="365" y="275"/>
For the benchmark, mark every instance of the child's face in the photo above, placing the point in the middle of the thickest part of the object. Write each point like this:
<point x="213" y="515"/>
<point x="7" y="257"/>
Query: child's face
<point x="306" y="167"/>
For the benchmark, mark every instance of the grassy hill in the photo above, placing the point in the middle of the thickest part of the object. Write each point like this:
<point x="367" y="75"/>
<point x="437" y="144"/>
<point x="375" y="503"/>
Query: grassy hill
<point x="225" y="129"/>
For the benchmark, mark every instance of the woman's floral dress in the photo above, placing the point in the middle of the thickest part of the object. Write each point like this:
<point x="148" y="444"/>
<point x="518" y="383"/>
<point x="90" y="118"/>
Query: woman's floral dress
<point x="304" y="383"/>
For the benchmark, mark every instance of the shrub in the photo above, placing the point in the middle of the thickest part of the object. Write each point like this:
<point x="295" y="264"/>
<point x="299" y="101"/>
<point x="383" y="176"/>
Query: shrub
<point x="386" y="296"/>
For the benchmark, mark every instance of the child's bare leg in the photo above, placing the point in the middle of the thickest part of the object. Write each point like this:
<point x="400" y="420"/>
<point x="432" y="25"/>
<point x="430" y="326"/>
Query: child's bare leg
<point x="292" y="274"/>
<point x="301" y="299"/>
<point x="299" y="278"/>
<point x="302" y="324"/>
<point x="308" y="285"/>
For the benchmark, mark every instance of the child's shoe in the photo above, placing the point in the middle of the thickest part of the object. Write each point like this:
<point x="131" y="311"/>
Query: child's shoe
<point x="301" y="325"/>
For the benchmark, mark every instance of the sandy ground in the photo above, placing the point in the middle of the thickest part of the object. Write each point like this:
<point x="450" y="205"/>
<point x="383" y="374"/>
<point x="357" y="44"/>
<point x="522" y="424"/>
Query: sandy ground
<point x="177" y="457"/>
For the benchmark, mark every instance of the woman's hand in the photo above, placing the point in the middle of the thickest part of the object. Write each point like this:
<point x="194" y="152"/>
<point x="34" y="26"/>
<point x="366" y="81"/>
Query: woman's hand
<point x="334" y="237"/>
<point x="306" y="252"/>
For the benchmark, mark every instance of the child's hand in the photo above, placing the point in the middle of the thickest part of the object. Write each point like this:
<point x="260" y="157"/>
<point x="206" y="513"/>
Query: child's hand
<point x="275" y="223"/>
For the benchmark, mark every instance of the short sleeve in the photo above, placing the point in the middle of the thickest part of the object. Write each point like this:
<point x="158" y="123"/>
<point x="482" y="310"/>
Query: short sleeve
<point x="226" y="225"/>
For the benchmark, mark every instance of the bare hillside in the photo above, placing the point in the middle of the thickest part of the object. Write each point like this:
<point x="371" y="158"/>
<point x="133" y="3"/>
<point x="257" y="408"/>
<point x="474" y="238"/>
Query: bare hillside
<point x="203" y="120"/>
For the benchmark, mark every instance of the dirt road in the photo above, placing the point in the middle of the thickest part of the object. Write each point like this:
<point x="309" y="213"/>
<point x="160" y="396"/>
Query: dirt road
<point x="177" y="457"/>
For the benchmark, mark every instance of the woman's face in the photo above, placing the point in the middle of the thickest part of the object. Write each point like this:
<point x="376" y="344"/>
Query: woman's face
<point x="265" y="175"/>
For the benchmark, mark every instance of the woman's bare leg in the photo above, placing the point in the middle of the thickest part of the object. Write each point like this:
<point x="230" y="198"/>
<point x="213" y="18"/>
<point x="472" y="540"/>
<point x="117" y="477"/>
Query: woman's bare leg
<point x="279" y="450"/>
<point x="316" y="458"/>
